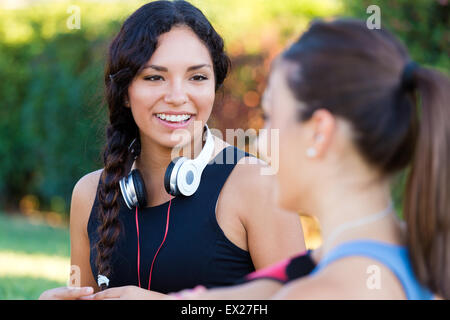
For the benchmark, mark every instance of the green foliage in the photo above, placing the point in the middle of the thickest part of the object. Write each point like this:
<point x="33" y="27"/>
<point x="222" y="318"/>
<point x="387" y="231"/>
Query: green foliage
<point x="51" y="119"/>
<point x="422" y="25"/>
<point x="249" y="21"/>
<point x="48" y="129"/>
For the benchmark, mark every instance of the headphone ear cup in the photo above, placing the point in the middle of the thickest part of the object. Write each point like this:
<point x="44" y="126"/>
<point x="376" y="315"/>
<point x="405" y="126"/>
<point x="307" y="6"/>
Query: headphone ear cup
<point x="167" y="176"/>
<point x="139" y="187"/>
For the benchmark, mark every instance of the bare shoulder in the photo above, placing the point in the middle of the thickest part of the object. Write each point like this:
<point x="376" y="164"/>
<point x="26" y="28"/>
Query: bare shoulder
<point x="251" y="179"/>
<point x="248" y="179"/>
<point x="83" y="197"/>
<point x="247" y="183"/>
<point x="86" y="187"/>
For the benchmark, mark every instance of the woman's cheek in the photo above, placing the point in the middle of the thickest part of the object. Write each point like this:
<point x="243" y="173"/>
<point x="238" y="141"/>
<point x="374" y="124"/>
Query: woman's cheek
<point x="143" y="100"/>
<point x="204" y="102"/>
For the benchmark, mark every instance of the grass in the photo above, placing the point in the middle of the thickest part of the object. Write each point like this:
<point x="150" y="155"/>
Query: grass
<point x="34" y="257"/>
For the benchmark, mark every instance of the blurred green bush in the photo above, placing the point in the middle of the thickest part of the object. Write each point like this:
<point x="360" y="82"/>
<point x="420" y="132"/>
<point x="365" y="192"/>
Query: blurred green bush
<point x="423" y="25"/>
<point x="52" y="116"/>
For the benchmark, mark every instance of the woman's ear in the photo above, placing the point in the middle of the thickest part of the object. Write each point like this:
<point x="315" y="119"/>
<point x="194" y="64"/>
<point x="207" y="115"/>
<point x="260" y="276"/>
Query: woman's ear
<point x="322" y="124"/>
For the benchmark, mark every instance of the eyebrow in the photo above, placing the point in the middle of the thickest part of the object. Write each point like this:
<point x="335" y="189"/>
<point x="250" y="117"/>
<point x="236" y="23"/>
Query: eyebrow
<point x="157" y="68"/>
<point x="164" y="69"/>
<point x="199" y="66"/>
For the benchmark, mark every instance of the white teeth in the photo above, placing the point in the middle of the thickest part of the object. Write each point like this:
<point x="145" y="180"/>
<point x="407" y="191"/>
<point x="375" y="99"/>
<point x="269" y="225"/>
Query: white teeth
<point x="173" y="118"/>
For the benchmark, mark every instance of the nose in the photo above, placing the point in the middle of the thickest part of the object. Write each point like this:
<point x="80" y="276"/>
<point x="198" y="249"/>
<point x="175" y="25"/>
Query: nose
<point x="176" y="94"/>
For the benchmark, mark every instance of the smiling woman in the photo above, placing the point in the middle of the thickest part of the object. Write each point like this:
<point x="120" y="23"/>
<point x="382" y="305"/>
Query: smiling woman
<point x="163" y="70"/>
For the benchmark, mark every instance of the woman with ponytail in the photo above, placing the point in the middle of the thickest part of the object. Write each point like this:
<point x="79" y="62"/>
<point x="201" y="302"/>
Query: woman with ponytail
<point x="353" y="110"/>
<point x="163" y="70"/>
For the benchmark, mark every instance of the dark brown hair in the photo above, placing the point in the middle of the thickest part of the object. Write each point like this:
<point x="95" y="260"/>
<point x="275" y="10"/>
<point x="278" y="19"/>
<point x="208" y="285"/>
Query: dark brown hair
<point x="132" y="47"/>
<point x="400" y="119"/>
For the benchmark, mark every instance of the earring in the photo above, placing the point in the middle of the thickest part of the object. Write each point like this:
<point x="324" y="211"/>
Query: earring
<point x="311" y="152"/>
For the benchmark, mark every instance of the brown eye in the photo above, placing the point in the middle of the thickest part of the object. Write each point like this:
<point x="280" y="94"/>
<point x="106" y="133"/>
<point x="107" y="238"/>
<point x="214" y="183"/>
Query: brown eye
<point x="154" y="78"/>
<point x="199" y="78"/>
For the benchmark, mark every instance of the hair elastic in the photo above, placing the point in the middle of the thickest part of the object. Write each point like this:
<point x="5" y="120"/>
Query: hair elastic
<point x="101" y="279"/>
<point x="407" y="78"/>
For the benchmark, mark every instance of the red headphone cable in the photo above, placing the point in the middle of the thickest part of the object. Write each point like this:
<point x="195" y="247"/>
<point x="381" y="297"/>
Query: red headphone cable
<point x="157" y="251"/>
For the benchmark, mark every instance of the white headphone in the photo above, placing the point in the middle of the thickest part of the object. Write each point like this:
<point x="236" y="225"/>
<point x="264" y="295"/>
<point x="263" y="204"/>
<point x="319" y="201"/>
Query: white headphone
<point x="182" y="177"/>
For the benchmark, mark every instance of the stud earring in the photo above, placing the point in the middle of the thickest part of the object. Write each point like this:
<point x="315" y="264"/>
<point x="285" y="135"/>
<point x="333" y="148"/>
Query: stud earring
<point x="311" y="152"/>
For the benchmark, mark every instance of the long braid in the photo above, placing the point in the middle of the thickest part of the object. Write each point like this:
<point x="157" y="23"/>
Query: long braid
<point x="115" y="163"/>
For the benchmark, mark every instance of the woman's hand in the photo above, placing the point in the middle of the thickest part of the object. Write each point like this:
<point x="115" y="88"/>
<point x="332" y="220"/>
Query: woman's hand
<point x="66" y="293"/>
<point x="125" y="293"/>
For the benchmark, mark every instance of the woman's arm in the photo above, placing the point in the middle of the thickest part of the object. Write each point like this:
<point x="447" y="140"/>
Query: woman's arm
<point x="254" y="290"/>
<point x="83" y="197"/>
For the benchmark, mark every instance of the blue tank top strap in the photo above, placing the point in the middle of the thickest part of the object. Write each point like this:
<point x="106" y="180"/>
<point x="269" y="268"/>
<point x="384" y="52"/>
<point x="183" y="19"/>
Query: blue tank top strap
<point x="394" y="257"/>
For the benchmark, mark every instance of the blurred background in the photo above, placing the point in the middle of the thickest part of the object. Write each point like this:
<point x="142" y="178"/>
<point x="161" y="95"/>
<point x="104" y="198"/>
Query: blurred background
<point x="53" y="118"/>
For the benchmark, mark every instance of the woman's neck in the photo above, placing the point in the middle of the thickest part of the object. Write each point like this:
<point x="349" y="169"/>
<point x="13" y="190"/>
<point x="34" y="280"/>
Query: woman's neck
<point x="361" y="208"/>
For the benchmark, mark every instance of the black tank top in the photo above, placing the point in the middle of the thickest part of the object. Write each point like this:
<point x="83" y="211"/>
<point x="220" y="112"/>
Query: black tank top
<point x="195" y="252"/>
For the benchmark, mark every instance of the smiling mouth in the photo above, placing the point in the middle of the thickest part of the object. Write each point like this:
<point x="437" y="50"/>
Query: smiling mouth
<point x="172" y="118"/>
